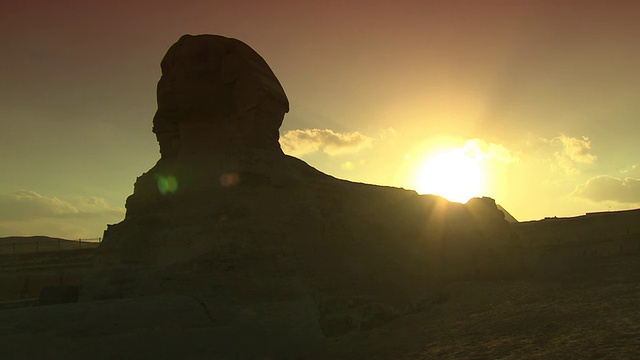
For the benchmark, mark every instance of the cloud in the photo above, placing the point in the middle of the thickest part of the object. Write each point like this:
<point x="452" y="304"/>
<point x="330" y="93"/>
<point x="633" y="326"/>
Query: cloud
<point x="481" y="149"/>
<point x="388" y="133"/>
<point x="577" y="150"/>
<point x="573" y="152"/>
<point x="629" y="169"/>
<point x="301" y="142"/>
<point x="29" y="205"/>
<point x="29" y="213"/>
<point x="608" y="188"/>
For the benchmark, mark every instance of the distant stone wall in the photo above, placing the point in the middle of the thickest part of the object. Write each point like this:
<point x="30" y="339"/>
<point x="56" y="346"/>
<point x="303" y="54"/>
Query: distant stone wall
<point x="592" y="235"/>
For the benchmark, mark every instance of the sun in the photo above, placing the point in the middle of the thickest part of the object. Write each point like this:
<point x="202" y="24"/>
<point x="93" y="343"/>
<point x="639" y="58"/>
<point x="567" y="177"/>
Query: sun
<point x="452" y="174"/>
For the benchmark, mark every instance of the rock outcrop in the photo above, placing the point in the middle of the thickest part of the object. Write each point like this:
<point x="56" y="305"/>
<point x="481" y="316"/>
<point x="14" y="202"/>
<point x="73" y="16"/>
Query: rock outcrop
<point x="226" y="217"/>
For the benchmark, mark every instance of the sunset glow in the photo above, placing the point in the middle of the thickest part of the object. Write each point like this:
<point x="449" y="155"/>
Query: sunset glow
<point x="541" y="96"/>
<point x="452" y="174"/>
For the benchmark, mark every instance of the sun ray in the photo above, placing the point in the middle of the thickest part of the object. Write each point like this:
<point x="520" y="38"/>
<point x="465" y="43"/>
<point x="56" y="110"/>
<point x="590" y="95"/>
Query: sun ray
<point x="452" y="174"/>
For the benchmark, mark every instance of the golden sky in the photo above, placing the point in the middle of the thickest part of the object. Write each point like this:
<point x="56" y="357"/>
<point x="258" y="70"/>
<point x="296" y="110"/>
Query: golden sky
<point x="540" y="99"/>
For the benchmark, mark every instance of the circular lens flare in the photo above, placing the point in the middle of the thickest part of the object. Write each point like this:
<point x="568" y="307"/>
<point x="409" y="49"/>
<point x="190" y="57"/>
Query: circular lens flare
<point x="167" y="184"/>
<point x="229" y="179"/>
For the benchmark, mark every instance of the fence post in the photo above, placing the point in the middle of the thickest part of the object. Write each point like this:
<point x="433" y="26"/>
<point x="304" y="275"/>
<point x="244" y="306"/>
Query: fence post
<point x="79" y="244"/>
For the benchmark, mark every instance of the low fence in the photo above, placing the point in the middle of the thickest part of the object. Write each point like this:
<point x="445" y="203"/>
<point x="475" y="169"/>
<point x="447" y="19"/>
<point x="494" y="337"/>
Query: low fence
<point x="48" y="245"/>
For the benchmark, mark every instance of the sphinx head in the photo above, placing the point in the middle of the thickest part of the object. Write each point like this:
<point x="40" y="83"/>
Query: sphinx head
<point x="214" y="93"/>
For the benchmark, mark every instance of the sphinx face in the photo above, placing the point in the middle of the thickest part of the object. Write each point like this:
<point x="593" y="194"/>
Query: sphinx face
<point x="216" y="93"/>
<point x="192" y="88"/>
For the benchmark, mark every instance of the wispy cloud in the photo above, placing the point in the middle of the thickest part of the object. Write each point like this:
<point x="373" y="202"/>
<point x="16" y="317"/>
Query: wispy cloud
<point x="388" y="133"/>
<point x="629" y="169"/>
<point x="481" y="149"/>
<point x="301" y="142"/>
<point x="608" y="188"/>
<point x="573" y="152"/>
<point x="30" y="213"/>
<point x="29" y="205"/>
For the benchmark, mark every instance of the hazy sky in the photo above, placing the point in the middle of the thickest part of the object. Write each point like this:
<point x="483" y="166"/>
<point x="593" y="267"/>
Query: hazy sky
<point x="543" y="97"/>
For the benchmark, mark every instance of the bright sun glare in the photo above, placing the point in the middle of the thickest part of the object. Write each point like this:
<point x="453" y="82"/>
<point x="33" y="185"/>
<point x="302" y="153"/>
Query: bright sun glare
<point x="452" y="174"/>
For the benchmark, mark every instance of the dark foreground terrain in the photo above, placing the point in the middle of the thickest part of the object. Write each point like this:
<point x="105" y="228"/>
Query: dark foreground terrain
<point x="585" y="309"/>
<point x="562" y="308"/>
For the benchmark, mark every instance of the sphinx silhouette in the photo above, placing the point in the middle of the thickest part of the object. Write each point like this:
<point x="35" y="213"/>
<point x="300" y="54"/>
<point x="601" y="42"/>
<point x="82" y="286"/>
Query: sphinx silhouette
<point x="226" y="215"/>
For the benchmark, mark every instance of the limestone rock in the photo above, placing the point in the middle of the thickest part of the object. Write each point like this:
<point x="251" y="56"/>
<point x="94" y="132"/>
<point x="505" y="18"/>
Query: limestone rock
<point x="216" y="93"/>
<point x="224" y="212"/>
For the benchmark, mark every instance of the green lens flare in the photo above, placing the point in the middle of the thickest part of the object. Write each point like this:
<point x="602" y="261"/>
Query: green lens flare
<point x="167" y="184"/>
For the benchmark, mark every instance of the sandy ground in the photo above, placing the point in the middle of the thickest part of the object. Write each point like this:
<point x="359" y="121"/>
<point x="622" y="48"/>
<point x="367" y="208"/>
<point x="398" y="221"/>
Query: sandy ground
<point x="588" y="309"/>
<point x="562" y="309"/>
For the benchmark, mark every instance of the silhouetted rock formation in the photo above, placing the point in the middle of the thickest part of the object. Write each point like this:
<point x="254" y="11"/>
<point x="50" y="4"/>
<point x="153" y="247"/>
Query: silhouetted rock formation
<point x="226" y="217"/>
<point x="217" y="94"/>
<point x="580" y="238"/>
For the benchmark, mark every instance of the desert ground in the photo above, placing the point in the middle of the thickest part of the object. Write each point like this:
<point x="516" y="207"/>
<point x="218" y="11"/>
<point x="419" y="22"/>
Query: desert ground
<point x="562" y="308"/>
<point x="585" y="309"/>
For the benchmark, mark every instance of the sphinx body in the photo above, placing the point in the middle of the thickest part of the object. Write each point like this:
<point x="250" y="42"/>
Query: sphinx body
<point x="225" y="214"/>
